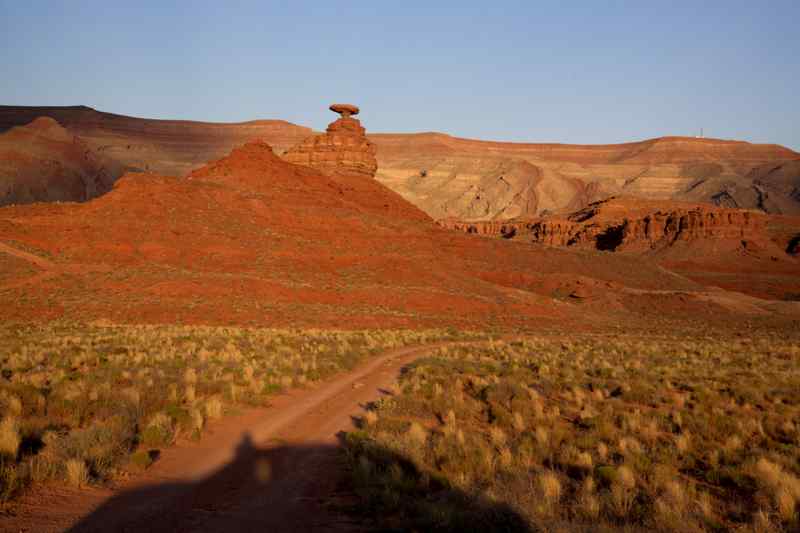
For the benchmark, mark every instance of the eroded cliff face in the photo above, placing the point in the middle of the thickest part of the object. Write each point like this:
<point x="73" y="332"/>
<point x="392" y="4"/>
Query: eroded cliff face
<point x="491" y="228"/>
<point x="450" y="177"/>
<point x="662" y="228"/>
<point x="630" y="225"/>
<point x="342" y="150"/>
<point x="557" y="231"/>
<point x="634" y="225"/>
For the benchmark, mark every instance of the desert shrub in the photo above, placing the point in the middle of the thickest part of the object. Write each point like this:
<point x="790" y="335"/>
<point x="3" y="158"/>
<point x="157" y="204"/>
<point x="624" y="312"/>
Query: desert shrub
<point x="213" y="407"/>
<point x="141" y="459"/>
<point x="159" y="431"/>
<point x="600" y="432"/>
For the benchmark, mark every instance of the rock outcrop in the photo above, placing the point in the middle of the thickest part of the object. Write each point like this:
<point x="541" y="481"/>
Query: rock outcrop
<point x="618" y="224"/>
<point x="342" y="150"/>
<point x="634" y="225"/>
<point x="492" y="228"/>
<point x="654" y="230"/>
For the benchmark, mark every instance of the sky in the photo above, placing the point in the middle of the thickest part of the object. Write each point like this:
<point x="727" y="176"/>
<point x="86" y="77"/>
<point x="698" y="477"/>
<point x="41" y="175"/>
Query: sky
<point x="576" y="72"/>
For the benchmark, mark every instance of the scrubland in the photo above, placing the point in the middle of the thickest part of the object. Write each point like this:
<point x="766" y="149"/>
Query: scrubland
<point x="594" y="433"/>
<point x="82" y="403"/>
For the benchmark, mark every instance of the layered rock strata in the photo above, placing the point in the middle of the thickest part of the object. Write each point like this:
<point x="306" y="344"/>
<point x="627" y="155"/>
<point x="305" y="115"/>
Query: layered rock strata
<point x="626" y="224"/>
<point x="491" y="228"/>
<point x="650" y="230"/>
<point x="342" y="150"/>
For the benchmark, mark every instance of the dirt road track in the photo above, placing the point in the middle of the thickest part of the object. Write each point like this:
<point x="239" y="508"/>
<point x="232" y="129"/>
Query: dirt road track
<point x="269" y="469"/>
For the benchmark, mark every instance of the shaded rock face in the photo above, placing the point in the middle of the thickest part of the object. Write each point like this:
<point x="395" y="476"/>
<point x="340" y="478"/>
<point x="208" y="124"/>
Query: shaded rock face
<point x="342" y="150"/>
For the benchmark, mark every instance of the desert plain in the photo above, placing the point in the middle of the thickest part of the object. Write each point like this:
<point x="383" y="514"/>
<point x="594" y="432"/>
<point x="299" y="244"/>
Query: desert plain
<point x="259" y="326"/>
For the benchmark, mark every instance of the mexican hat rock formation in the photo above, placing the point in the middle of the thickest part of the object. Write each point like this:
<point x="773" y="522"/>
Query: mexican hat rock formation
<point x="342" y="150"/>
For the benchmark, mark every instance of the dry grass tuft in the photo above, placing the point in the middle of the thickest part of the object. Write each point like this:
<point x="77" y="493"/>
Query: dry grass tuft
<point x="213" y="408"/>
<point x="550" y="489"/>
<point x="9" y="438"/>
<point x="370" y="418"/>
<point x="76" y="472"/>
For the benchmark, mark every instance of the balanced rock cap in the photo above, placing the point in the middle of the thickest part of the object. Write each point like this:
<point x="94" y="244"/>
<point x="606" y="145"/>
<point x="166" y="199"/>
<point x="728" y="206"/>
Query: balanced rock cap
<point x="345" y="109"/>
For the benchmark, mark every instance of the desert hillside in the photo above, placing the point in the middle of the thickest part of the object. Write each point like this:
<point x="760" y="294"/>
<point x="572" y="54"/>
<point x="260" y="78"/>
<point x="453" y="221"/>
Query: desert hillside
<point x="172" y="147"/>
<point x="480" y="180"/>
<point x="252" y="239"/>
<point x="471" y="180"/>
<point x="743" y="250"/>
<point x="43" y="162"/>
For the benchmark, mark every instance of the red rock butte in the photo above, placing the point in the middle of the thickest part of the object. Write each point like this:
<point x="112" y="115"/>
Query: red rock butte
<point x="342" y="150"/>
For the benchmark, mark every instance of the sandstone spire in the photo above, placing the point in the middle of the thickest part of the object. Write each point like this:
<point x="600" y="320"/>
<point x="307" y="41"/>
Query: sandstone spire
<point x="342" y="150"/>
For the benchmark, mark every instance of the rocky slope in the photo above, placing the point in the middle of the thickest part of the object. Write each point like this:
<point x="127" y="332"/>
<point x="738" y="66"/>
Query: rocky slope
<point x="43" y="162"/>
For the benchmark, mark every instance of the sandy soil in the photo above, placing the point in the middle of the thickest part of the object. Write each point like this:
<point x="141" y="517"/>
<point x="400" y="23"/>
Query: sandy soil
<point x="268" y="469"/>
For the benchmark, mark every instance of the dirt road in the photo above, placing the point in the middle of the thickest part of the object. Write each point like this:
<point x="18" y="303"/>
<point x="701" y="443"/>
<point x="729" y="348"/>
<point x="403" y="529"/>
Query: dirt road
<point x="269" y="469"/>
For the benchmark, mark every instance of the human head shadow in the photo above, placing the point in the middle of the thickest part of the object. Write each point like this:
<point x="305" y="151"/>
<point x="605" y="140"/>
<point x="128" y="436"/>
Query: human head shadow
<point x="281" y="487"/>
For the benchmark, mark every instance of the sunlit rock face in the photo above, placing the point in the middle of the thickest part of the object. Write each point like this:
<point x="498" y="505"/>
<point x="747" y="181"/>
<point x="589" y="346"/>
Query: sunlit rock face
<point x="342" y="150"/>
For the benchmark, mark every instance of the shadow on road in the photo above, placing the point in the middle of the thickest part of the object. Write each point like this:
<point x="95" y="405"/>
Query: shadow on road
<point x="279" y="488"/>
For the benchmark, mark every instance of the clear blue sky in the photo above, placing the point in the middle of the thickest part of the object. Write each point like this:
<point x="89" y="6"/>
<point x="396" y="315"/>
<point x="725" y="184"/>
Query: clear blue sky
<point x="578" y="72"/>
